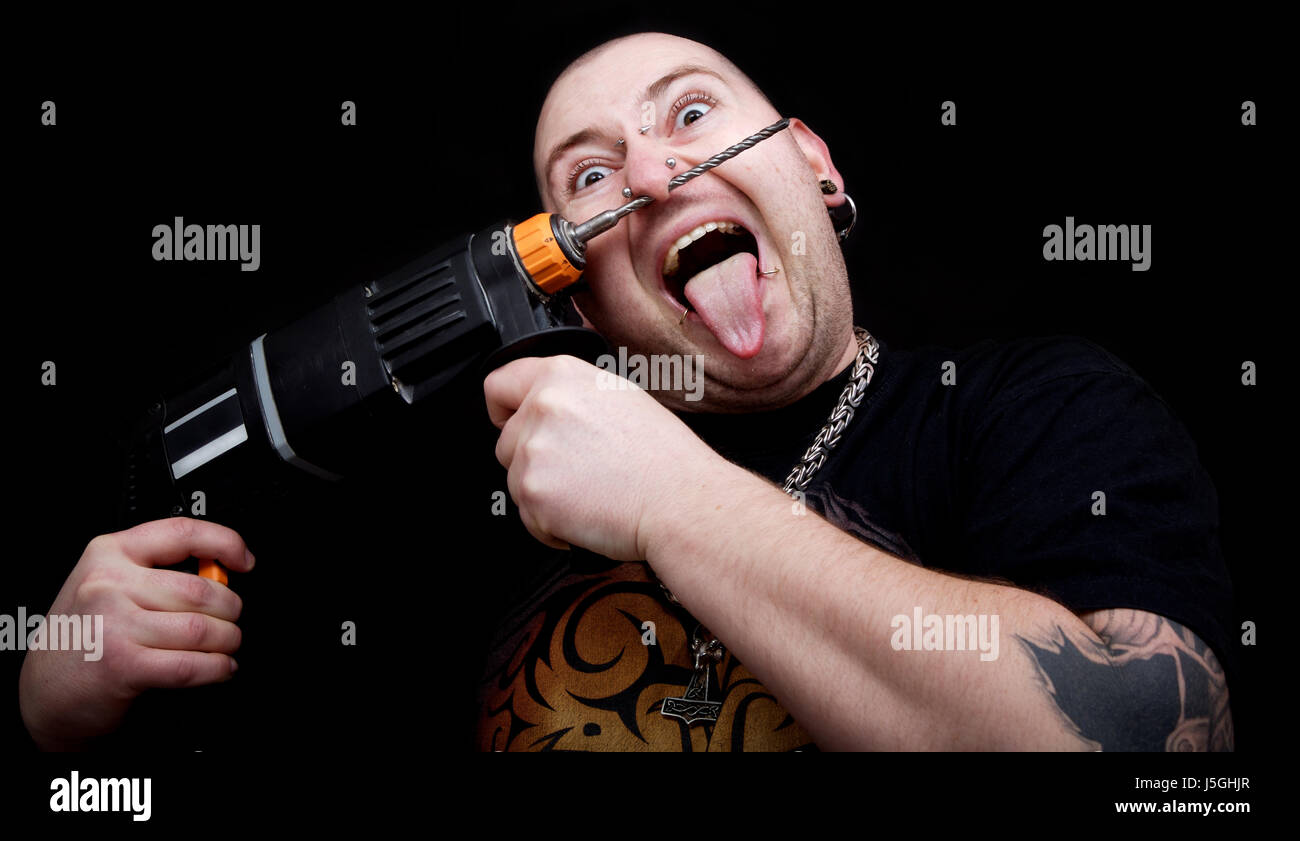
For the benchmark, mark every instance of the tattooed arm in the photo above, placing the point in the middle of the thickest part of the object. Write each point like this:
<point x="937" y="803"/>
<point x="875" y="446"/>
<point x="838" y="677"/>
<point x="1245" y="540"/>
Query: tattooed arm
<point x="1179" y="685"/>
<point x="819" y="617"/>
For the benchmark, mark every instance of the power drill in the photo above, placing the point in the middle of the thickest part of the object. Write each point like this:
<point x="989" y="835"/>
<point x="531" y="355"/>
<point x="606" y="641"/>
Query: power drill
<point x="342" y="388"/>
<point x="333" y="392"/>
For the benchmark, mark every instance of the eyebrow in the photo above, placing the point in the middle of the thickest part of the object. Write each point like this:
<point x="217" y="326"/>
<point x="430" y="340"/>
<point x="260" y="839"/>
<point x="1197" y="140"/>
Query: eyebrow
<point x="653" y="91"/>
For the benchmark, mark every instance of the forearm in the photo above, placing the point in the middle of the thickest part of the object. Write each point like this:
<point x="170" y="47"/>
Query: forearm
<point x="810" y="610"/>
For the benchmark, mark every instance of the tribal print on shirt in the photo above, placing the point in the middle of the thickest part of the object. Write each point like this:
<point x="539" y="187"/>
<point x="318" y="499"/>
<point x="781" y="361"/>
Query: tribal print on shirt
<point x="575" y="673"/>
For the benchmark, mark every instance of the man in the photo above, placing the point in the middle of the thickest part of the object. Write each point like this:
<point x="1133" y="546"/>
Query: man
<point x="959" y="503"/>
<point x="931" y="493"/>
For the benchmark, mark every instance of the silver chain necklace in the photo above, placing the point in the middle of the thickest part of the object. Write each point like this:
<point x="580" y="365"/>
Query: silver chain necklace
<point x="695" y="706"/>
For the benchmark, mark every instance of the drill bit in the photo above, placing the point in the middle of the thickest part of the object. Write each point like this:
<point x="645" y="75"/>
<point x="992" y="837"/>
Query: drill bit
<point x="602" y="222"/>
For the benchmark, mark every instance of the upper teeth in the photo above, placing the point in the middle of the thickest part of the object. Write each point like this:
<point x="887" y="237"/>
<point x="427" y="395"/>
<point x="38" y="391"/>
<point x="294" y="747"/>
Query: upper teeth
<point x="670" y="260"/>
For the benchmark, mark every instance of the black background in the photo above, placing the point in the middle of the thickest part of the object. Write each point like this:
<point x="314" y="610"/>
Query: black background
<point x="947" y="250"/>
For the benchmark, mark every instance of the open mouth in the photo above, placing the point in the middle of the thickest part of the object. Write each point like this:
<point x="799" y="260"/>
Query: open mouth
<point x="701" y="249"/>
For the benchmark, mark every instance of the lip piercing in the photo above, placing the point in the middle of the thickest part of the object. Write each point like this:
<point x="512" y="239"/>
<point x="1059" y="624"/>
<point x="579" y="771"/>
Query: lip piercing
<point x="682" y="320"/>
<point x="672" y="162"/>
<point x="627" y="192"/>
<point x="644" y="129"/>
<point x="771" y="271"/>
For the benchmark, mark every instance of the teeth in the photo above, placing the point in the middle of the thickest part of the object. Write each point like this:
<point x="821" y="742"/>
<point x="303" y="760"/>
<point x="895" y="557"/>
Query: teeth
<point x="671" y="261"/>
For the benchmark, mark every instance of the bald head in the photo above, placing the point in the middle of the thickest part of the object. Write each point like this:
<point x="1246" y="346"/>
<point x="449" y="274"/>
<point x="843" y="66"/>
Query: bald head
<point x="770" y="320"/>
<point x="627" y="49"/>
<point x="630" y="40"/>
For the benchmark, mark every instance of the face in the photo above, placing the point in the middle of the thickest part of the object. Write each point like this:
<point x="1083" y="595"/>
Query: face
<point x="766" y="337"/>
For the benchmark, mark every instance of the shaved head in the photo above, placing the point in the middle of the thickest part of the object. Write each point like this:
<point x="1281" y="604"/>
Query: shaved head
<point x="595" y="52"/>
<point x="769" y="312"/>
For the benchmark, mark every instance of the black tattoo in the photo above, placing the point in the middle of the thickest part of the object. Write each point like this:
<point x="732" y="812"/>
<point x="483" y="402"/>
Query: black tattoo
<point x="1149" y="685"/>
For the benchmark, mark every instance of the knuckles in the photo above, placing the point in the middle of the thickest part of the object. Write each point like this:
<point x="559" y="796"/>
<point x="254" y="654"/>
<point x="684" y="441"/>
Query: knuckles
<point x="101" y="546"/>
<point x="192" y="630"/>
<point x="184" y="669"/>
<point x="182" y="528"/>
<point x="99" y="584"/>
<point x="193" y="590"/>
<point x="531" y="490"/>
<point x="549" y="401"/>
<point x="534" y="450"/>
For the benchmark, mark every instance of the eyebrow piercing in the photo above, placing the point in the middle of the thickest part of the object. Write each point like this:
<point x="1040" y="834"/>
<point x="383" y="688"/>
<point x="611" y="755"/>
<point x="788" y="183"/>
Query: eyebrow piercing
<point x="627" y="192"/>
<point x="672" y="162"/>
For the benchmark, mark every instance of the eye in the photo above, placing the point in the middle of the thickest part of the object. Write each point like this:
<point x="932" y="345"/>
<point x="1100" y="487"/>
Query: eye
<point x="587" y="173"/>
<point x="690" y="108"/>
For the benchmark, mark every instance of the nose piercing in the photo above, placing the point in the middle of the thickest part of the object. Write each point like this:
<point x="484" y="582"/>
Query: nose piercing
<point x="627" y="192"/>
<point x="618" y="142"/>
<point x="672" y="162"/>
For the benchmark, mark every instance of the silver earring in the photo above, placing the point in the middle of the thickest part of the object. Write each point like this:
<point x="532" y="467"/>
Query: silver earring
<point x="844" y="217"/>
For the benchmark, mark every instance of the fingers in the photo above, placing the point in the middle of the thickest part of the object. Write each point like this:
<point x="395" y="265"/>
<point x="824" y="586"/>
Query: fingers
<point x="506" y="387"/>
<point x="178" y="592"/>
<point x="177" y="538"/>
<point x="506" y="441"/>
<point x="186" y="632"/>
<point x="526" y="515"/>
<point x="156" y="668"/>
<point x="543" y="536"/>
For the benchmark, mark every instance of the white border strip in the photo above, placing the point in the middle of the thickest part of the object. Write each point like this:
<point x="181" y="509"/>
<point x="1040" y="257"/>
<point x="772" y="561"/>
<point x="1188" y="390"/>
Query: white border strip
<point x="200" y="410"/>
<point x="209" y="451"/>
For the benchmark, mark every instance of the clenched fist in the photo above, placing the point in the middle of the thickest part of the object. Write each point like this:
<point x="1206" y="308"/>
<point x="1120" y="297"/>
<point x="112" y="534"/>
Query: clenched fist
<point x="162" y="628"/>
<point x="589" y="464"/>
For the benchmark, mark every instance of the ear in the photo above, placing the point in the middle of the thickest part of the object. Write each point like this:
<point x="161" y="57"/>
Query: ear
<point x="819" y="158"/>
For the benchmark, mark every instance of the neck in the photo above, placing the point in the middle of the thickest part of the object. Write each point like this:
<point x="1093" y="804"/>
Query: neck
<point x="846" y="358"/>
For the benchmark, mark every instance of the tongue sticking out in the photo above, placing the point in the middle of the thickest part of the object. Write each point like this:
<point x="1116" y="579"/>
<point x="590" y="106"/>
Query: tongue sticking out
<point x="726" y="296"/>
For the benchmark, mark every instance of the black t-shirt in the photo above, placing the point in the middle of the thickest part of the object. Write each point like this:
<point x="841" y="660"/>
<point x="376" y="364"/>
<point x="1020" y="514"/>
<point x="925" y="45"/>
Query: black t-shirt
<point x="990" y="472"/>
<point x="991" y="476"/>
<point x="994" y="474"/>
